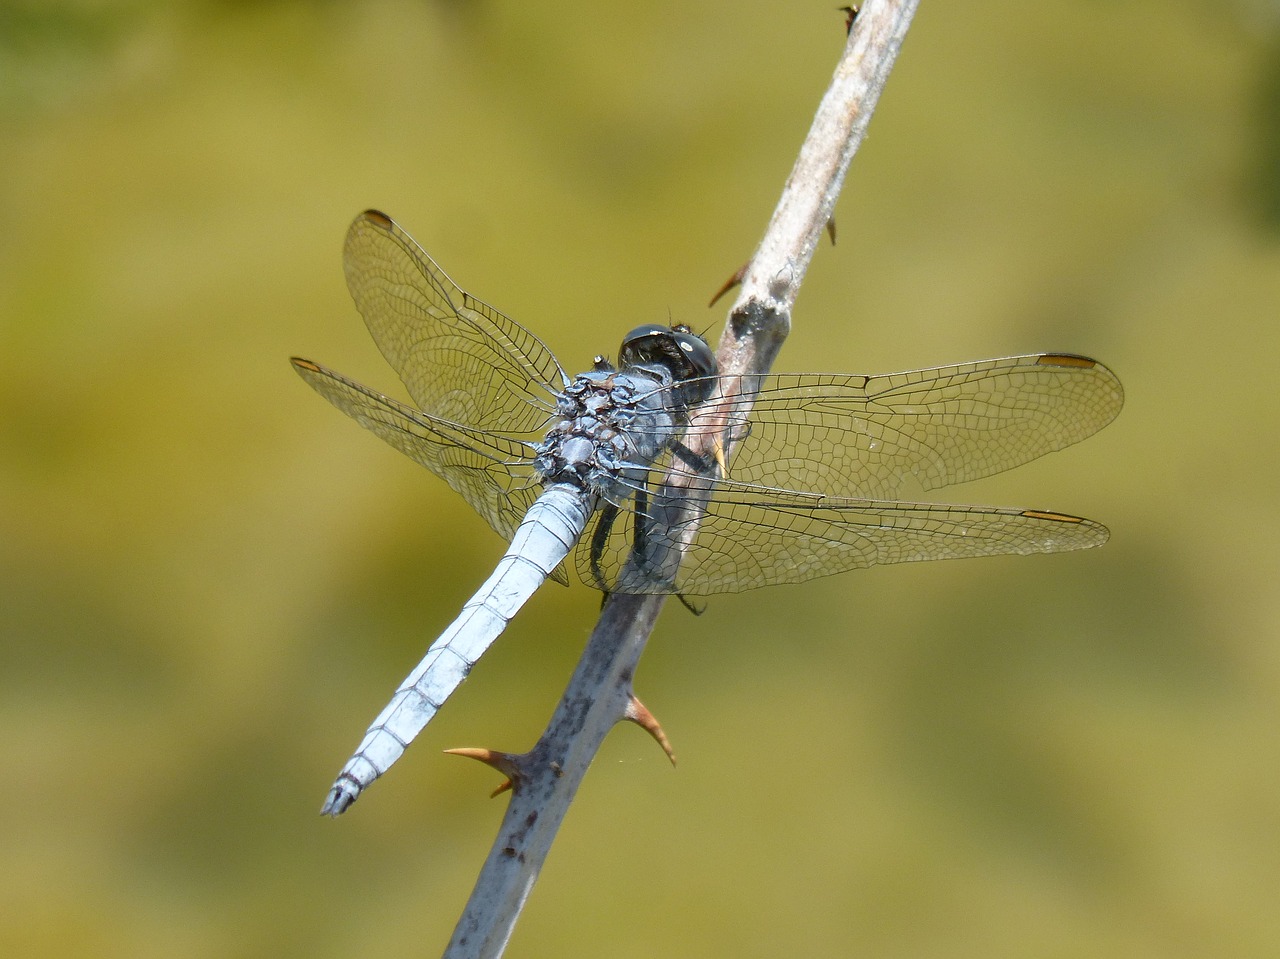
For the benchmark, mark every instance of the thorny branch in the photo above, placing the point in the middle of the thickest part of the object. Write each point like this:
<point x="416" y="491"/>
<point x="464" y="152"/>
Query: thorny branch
<point x="545" y="779"/>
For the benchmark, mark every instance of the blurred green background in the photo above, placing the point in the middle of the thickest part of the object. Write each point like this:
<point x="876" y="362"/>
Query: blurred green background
<point x="211" y="581"/>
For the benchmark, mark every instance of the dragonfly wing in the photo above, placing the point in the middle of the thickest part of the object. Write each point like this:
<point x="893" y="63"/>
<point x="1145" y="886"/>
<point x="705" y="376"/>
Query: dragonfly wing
<point x="867" y="436"/>
<point x="754" y="537"/>
<point x="491" y="471"/>
<point x="460" y="359"/>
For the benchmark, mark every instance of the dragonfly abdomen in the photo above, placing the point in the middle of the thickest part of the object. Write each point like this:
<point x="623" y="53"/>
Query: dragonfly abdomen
<point x="550" y="529"/>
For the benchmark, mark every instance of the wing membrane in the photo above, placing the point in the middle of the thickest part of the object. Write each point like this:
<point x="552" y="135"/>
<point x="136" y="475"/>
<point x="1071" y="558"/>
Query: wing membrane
<point x="491" y="471"/>
<point x="816" y="468"/>
<point x="867" y="436"/>
<point x="460" y="359"/>
<point x="754" y="536"/>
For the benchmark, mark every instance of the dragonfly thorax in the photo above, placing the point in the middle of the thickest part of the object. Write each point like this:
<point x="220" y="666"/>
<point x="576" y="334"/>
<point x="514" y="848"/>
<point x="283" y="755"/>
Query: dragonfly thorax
<point x="611" y="426"/>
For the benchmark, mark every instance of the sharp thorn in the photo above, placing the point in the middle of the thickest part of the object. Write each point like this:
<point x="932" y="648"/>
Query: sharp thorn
<point x="505" y="763"/>
<point x="639" y="714"/>
<point x="729" y="284"/>
<point x="502" y="787"/>
<point x="717" y="454"/>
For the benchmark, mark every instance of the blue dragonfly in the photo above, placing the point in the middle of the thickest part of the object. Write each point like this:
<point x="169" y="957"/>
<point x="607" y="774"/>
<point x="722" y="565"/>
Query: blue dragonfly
<point x="577" y="472"/>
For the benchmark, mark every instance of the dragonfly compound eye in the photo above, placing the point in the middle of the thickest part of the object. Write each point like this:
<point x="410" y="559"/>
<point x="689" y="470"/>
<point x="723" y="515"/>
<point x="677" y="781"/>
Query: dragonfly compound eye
<point x="685" y="354"/>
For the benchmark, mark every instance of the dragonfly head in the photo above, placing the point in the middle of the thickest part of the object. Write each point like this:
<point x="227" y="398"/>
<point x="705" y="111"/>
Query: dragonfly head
<point x="684" y="354"/>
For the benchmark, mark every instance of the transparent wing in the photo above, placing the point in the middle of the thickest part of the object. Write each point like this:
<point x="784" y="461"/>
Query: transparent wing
<point x="492" y="471"/>
<point x="816" y="468"/>
<point x="754" y="536"/>
<point x="459" y="358"/>
<point x="869" y="436"/>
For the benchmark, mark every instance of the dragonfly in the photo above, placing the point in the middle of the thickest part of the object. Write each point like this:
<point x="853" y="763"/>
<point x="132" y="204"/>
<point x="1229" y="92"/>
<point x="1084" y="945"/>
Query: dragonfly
<point x="578" y="473"/>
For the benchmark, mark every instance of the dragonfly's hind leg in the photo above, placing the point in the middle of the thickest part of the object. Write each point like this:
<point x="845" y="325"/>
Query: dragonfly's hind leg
<point x="640" y="538"/>
<point x="640" y="545"/>
<point x="600" y="537"/>
<point x="690" y="605"/>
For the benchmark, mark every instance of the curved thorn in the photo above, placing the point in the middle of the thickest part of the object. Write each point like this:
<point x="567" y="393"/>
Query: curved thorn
<point x="717" y="453"/>
<point x="505" y="763"/>
<point x="502" y="787"/>
<point x="639" y="714"/>
<point x="730" y="283"/>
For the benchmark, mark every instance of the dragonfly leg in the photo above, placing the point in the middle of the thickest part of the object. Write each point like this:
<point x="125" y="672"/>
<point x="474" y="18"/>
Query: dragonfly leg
<point x="690" y="605"/>
<point x="641" y="542"/>
<point x="640" y="535"/>
<point x="694" y="462"/>
<point x="604" y="526"/>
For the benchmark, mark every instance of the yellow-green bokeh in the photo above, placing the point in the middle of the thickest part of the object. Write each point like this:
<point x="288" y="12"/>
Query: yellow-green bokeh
<point x="210" y="581"/>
